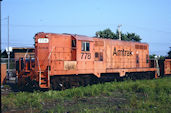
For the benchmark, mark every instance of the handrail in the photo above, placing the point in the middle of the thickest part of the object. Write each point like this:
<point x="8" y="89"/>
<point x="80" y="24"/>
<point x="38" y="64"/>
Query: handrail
<point x="39" y="71"/>
<point x="48" y="62"/>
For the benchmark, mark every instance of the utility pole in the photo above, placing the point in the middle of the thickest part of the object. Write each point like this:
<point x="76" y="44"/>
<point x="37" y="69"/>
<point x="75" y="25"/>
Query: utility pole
<point x="157" y="65"/>
<point x="8" y="52"/>
<point x="0" y="28"/>
<point x="119" y="31"/>
<point x="0" y="33"/>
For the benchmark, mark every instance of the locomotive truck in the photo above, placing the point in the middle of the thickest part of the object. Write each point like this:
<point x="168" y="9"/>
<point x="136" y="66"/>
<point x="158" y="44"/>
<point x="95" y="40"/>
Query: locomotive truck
<point x="66" y="60"/>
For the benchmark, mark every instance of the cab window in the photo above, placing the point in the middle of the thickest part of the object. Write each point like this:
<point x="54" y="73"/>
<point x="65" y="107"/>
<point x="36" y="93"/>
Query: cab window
<point x="73" y="43"/>
<point x="85" y="46"/>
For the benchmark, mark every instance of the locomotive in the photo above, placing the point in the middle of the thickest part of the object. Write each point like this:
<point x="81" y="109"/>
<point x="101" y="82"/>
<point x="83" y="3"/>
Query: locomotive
<point x="66" y="60"/>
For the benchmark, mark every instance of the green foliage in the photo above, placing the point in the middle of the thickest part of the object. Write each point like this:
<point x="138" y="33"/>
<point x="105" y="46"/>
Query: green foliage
<point x="132" y="37"/>
<point x="153" y="57"/>
<point x="107" y="33"/>
<point x="169" y="53"/>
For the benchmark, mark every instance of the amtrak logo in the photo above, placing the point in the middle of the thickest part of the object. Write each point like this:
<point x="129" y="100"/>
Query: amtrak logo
<point x="122" y="52"/>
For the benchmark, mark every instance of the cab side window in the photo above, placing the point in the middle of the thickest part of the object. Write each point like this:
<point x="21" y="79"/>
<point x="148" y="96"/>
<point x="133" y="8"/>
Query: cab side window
<point x="85" y="46"/>
<point x="73" y="43"/>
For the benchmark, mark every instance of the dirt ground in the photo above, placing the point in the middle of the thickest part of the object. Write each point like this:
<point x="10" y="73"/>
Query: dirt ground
<point x="9" y="88"/>
<point x="75" y="105"/>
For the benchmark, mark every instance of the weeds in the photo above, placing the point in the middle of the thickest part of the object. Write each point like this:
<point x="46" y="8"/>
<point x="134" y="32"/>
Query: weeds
<point x="129" y="96"/>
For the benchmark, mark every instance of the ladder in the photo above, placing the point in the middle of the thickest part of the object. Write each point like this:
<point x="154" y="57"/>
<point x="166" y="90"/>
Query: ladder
<point x="43" y="80"/>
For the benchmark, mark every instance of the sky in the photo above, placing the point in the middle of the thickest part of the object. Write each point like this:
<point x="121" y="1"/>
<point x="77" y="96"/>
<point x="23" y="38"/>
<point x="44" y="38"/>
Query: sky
<point x="151" y="19"/>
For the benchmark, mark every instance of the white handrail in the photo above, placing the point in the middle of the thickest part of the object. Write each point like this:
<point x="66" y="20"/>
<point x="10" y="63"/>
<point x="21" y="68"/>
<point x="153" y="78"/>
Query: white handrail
<point x="48" y="62"/>
<point x="26" y="54"/>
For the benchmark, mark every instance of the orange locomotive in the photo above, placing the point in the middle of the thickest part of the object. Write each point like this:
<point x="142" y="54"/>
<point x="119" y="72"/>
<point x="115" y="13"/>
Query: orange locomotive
<point x="65" y="60"/>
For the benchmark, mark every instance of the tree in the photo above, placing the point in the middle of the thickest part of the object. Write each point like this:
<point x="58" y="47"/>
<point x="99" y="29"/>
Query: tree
<point x="107" y="33"/>
<point x="152" y="57"/>
<point x="169" y="53"/>
<point x="133" y="37"/>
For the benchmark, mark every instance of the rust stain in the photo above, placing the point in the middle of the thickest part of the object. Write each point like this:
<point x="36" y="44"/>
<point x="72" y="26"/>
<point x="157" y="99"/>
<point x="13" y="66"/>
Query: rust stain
<point x="70" y="65"/>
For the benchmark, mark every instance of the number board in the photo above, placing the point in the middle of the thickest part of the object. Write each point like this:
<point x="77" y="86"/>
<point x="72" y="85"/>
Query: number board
<point x="43" y="40"/>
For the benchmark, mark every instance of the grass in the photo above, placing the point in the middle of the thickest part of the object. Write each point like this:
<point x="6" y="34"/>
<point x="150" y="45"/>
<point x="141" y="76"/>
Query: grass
<point x="139" y="96"/>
